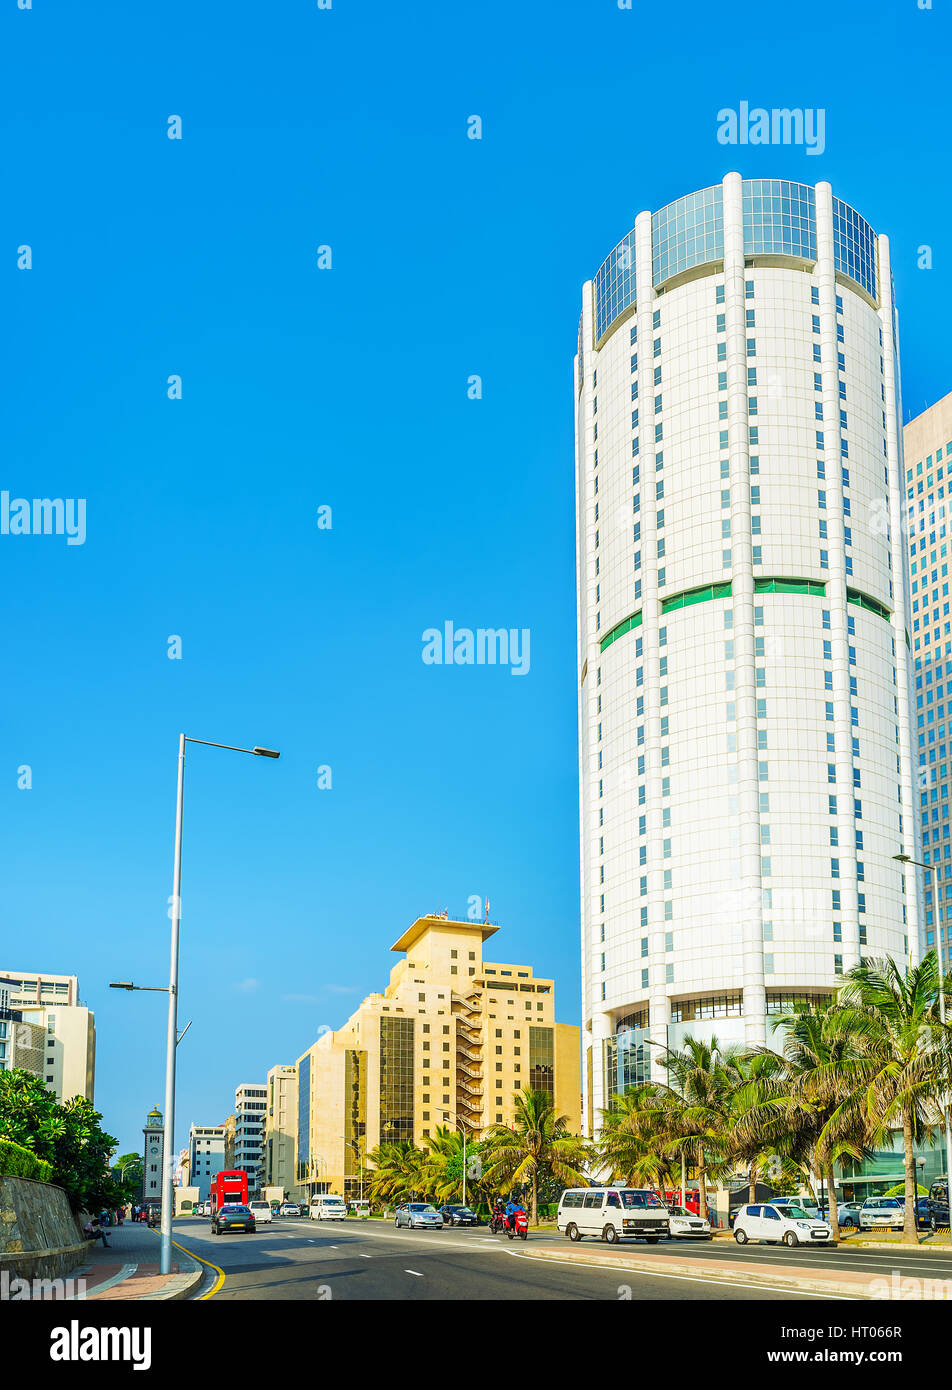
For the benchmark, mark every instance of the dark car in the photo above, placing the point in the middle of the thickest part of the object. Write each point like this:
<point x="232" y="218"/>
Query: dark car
<point x="233" y="1217"/>
<point x="927" y="1214"/>
<point x="459" y="1216"/>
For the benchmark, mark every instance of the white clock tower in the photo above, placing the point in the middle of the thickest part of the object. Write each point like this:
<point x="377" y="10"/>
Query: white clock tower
<point x="153" y="1136"/>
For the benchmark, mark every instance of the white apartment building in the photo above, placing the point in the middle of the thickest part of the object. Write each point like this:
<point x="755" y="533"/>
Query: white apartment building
<point x="928" y="460"/>
<point x="250" y="1113"/>
<point x="745" y="760"/>
<point x="206" y="1157"/>
<point x="50" y="1005"/>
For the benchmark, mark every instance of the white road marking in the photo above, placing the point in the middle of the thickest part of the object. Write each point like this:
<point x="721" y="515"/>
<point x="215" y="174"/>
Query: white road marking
<point x="364" y="1257"/>
<point x="414" y="1272"/>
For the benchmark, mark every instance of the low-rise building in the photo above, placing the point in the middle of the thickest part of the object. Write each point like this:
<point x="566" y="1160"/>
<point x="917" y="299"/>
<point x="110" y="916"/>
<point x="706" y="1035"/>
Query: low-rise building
<point x="51" y="1005"/>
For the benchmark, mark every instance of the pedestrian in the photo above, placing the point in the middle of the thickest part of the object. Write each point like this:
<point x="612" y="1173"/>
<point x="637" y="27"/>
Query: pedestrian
<point x="94" y="1231"/>
<point x="120" y="1213"/>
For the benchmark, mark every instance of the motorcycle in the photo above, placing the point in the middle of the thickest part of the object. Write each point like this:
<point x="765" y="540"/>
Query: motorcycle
<point x="497" y="1222"/>
<point x="518" y="1226"/>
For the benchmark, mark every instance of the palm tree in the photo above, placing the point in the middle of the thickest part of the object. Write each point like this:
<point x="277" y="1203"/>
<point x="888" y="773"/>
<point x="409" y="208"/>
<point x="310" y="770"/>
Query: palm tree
<point x="631" y="1146"/>
<point x="539" y="1140"/>
<point x="443" y="1165"/>
<point x="398" y="1170"/>
<point x="759" y="1137"/>
<point x="696" y="1107"/>
<point x="893" y="1021"/>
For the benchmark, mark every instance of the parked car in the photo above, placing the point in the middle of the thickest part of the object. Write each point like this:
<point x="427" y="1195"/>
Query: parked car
<point x="792" y="1225"/>
<point x="847" y="1213"/>
<point x="233" y="1217"/>
<point x="926" y="1219"/>
<point x="807" y="1204"/>
<point x="262" y="1212"/>
<point x="289" y="1209"/>
<point x="418" y="1214"/>
<point x="459" y="1216"/>
<point x="687" y="1224"/>
<point x="881" y="1214"/>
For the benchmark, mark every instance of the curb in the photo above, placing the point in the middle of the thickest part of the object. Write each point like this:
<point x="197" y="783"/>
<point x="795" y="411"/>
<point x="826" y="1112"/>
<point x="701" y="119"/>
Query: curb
<point x="649" y="1266"/>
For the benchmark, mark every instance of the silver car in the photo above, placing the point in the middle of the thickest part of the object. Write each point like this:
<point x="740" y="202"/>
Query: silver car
<point x="881" y="1213"/>
<point x="420" y="1214"/>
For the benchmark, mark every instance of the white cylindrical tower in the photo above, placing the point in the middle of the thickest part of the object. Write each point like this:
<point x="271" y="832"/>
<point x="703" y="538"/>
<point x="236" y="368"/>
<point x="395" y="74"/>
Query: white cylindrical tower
<point x="745" y="762"/>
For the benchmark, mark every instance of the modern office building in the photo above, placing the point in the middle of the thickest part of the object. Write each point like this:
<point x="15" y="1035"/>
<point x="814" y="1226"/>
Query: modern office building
<point x="279" y="1135"/>
<point x="50" y="1004"/>
<point x="206" y="1157"/>
<point x="928" y="459"/>
<point x="449" y="1043"/>
<point x="250" y="1108"/>
<point x="746" y="771"/>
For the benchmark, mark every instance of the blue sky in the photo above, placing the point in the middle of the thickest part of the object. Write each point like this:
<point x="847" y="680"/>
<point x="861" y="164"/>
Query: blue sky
<point x="345" y="388"/>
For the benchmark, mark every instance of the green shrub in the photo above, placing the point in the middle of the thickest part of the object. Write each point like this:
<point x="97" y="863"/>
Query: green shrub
<point x="18" y="1162"/>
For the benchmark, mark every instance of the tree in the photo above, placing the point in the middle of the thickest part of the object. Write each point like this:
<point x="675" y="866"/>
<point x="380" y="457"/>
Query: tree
<point x="631" y="1144"/>
<point x="539" y="1140"/>
<point x="67" y="1136"/>
<point x="129" y="1171"/>
<point x="696" y="1107"/>
<point x="443" y="1166"/>
<point x="893" y="1021"/>
<point x="398" y="1171"/>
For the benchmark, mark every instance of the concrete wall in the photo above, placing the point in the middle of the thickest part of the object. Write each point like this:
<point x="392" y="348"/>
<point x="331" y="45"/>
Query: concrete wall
<point x="39" y="1236"/>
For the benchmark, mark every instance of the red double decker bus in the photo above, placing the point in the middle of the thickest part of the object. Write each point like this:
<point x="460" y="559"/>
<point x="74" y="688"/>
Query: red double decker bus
<point x="229" y="1186"/>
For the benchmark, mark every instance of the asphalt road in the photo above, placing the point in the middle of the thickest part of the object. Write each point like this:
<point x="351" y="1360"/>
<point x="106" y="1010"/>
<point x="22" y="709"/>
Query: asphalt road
<point x="302" y="1259"/>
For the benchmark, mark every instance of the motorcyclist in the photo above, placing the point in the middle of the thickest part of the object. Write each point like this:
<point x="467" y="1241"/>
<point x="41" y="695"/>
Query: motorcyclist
<point x="511" y="1208"/>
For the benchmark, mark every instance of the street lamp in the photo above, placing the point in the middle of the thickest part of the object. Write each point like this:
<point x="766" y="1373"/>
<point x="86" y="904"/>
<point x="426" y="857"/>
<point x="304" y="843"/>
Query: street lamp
<point x="451" y="1114"/>
<point x="172" y="1039"/>
<point x="355" y="1145"/>
<point x="931" y="869"/>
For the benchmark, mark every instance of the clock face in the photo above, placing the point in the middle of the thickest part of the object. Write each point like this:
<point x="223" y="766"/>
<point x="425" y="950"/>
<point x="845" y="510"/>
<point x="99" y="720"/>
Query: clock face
<point x="153" y="1150"/>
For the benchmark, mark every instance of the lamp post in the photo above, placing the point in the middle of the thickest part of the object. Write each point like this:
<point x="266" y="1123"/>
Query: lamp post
<point x="451" y="1114"/>
<point x="165" y="1258"/>
<point x="355" y="1145"/>
<point x="931" y="869"/>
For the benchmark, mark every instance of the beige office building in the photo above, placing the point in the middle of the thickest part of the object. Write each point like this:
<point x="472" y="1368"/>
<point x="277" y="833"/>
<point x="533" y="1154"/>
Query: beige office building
<point x="50" y="1005"/>
<point x="451" y="1041"/>
<point x="279" y="1134"/>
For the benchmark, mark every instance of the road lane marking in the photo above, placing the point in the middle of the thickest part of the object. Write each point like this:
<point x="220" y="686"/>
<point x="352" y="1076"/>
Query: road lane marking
<point x="416" y="1274"/>
<point x="364" y="1257"/>
<point x="220" y="1272"/>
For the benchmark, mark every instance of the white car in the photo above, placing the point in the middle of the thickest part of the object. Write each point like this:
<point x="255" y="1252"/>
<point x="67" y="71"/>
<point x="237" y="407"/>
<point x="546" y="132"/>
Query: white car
<point x="261" y="1212"/>
<point x="881" y="1213"/>
<point x="792" y="1225"/>
<point x="687" y="1224"/>
<point x="290" y="1209"/>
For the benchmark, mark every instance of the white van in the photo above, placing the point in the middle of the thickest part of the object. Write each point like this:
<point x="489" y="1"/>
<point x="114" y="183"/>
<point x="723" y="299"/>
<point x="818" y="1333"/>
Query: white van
<point x="613" y="1212"/>
<point x="326" y="1206"/>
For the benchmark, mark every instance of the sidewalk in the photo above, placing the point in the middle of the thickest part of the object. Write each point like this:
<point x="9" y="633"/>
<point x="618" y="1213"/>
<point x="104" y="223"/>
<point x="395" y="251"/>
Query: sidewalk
<point x="129" y="1268"/>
